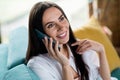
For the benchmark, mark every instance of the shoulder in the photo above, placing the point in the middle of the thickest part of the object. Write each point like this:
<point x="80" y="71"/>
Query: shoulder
<point x="42" y="59"/>
<point x="45" y="67"/>
<point x="89" y="53"/>
<point x="91" y="58"/>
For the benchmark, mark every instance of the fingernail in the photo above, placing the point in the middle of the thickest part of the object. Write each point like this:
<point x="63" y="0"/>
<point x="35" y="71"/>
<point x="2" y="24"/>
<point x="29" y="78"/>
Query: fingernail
<point x="45" y="37"/>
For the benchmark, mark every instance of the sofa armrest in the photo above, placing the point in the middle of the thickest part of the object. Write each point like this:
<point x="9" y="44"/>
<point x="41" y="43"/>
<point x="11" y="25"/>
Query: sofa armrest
<point x="3" y="57"/>
<point x="20" y="72"/>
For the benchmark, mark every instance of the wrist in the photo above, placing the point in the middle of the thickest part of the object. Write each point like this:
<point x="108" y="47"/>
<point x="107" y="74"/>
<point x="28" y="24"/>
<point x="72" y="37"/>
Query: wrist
<point x="101" y="50"/>
<point x="66" y="66"/>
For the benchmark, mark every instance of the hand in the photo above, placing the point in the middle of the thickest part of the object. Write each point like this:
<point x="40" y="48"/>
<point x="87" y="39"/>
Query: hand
<point x="86" y="44"/>
<point x="54" y="52"/>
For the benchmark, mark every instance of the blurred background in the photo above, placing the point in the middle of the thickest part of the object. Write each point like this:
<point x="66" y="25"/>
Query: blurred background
<point x="14" y="13"/>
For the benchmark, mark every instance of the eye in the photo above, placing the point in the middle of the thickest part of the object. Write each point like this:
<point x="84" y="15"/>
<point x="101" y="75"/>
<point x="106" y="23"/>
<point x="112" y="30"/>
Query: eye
<point x="50" y="25"/>
<point x="62" y="18"/>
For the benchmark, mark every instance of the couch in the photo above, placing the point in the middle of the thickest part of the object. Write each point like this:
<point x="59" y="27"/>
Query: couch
<point x="12" y="55"/>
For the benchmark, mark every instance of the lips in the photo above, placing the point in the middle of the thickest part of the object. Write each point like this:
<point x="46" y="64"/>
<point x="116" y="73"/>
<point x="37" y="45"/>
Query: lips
<point x="62" y="35"/>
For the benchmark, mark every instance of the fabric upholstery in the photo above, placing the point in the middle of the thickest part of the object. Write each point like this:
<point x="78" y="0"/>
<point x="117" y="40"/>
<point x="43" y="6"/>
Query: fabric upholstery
<point x="3" y="57"/>
<point x="116" y="73"/>
<point x="18" y="42"/>
<point x="20" y="72"/>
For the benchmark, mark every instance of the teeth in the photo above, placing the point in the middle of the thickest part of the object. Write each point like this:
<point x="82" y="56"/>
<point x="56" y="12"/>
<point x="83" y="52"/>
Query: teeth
<point x="62" y="34"/>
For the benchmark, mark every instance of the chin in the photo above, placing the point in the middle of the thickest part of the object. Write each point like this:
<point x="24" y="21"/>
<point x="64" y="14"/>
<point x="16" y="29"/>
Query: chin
<point x="64" y="42"/>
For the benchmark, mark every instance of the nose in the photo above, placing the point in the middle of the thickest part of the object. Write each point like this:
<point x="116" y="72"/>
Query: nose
<point x="59" y="25"/>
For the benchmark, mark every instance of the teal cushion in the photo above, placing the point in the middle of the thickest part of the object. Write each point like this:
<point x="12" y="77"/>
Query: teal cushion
<point x="20" y="72"/>
<point x="32" y="74"/>
<point x="18" y="41"/>
<point x="116" y="73"/>
<point x="3" y="57"/>
<point x="2" y="75"/>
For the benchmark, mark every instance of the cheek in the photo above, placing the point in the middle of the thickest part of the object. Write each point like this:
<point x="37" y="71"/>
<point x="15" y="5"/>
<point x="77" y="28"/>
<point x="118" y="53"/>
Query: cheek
<point x="51" y="34"/>
<point x="66" y="23"/>
<point x="67" y="26"/>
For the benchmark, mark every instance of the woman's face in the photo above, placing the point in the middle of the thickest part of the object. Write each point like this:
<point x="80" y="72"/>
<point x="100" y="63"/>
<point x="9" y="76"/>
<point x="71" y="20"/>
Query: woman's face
<point x="56" y="25"/>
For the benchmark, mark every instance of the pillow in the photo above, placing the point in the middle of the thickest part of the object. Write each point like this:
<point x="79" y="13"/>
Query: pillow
<point x="93" y="31"/>
<point x="20" y="72"/>
<point x="18" y="42"/>
<point x="33" y="74"/>
<point x="3" y="57"/>
<point x="116" y="73"/>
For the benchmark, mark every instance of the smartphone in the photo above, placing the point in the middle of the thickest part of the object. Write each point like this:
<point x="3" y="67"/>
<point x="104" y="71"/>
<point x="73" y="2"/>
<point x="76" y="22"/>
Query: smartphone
<point x="42" y="35"/>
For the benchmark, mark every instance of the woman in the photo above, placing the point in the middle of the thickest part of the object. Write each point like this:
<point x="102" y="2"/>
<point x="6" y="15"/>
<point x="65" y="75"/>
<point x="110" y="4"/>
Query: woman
<point x="73" y="59"/>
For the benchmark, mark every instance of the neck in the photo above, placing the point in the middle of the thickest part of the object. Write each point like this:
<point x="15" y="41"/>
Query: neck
<point x="64" y="50"/>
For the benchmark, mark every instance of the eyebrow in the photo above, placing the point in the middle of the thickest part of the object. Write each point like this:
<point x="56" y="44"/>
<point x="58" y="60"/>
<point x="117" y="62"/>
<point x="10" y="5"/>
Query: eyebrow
<point x="60" y="16"/>
<point x="53" y="21"/>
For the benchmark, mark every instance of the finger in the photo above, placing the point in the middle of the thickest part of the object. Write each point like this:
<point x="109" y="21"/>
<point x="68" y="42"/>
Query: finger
<point x="51" y="47"/>
<point x="84" y="48"/>
<point x="76" y="43"/>
<point x="78" y="48"/>
<point x="50" y="43"/>
<point x="82" y="43"/>
<point x="43" y="40"/>
<point x="46" y="42"/>
<point x="57" y="49"/>
<point x="79" y="42"/>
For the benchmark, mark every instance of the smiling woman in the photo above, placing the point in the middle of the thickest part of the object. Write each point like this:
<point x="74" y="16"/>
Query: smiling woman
<point x="73" y="60"/>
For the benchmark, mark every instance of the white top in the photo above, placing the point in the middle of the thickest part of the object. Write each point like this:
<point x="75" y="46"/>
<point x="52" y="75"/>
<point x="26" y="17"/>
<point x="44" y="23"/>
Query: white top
<point x="48" y="68"/>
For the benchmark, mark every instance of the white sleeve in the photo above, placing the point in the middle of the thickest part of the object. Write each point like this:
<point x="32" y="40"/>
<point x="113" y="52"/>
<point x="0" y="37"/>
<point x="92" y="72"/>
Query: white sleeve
<point x="42" y="71"/>
<point x="92" y="60"/>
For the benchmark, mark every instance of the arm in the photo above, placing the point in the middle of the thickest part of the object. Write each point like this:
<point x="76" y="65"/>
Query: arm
<point x="104" y="68"/>
<point x="67" y="74"/>
<point x="84" y="45"/>
<point x="57" y="55"/>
